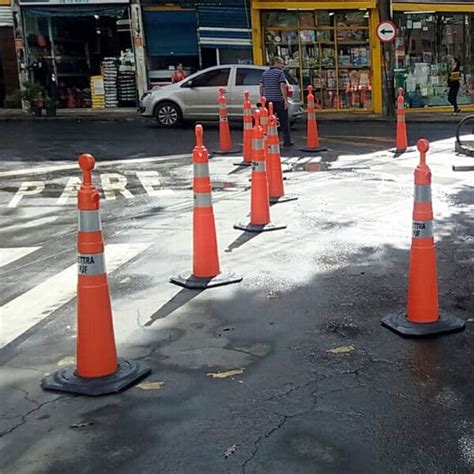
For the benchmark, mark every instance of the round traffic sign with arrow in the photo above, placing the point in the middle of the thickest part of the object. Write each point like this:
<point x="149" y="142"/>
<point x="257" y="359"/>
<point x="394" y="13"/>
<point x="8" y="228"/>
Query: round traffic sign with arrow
<point x="386" y="31"/>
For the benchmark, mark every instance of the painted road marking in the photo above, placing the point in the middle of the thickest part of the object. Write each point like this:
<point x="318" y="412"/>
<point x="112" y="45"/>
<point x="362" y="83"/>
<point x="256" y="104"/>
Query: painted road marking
<point x="98" y="164"/>
<point x="28" y="309"/>
<point x="9" y="255"/>
<point x="28" y="188"/>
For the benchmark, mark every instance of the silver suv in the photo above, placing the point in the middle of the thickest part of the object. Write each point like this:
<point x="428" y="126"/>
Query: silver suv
<point x="195" y="98"/>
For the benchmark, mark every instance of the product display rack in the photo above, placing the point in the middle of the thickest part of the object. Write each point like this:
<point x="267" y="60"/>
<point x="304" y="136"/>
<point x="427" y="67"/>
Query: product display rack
<point x="334" y="59"/>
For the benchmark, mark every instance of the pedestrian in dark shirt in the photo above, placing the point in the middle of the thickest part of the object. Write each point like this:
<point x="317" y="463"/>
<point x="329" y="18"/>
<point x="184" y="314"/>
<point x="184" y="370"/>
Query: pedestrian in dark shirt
<point x="273" y="87"/>
<point x="454" y="84"/>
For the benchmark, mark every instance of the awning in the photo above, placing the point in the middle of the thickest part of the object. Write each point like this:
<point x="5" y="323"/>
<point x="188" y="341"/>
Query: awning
<point x="6" y="16"/>
<point x="116" y="11"/>
<point x="224" y="27"/>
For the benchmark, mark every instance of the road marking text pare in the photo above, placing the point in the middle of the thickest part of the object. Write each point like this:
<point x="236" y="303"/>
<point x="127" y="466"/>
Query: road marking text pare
<point x="112" y="185"/>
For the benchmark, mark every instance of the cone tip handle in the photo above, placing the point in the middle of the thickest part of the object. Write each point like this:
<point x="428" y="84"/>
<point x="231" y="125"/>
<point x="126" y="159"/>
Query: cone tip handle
<point x="86" y="162"/>
<point x="198" y="133"/>
<point x="423" y="145"/>
<point x="246" y="95"/>
<point x="263" y="100"/>
<point x="221" y="90"/>
<point x="400" y="91"/>
<point x="310" y="88"/>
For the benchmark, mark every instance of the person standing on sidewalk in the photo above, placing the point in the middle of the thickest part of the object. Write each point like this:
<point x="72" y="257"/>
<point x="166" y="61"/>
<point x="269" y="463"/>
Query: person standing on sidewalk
<point x="273" y="87"/>
<point x="454" y="84"/>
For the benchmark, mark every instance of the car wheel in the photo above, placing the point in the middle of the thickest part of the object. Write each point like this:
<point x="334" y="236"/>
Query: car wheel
<point x="168" y="115"/>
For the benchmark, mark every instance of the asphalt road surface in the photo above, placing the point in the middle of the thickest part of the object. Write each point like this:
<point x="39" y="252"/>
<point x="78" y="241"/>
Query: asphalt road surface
<point x="135" y="138"/>
<point x="288" y="371"/>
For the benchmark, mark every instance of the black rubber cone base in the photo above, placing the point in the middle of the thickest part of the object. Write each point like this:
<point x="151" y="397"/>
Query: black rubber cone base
<point x="249" y="227"/>
<point x="226" y="152"/>
<point x="312" y="150"/>
<point x="66" y="380"/>
<point x="285" y="198"/>
<point x="192" y="282"/>
<point x="399" y="323"/>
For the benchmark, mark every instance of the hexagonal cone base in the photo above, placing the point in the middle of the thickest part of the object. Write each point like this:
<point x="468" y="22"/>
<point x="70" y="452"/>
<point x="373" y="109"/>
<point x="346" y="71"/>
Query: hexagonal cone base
<point x="399" y="323"/>
<point x="225" y="152"/>
<point x="312" y="150"/>
<point x="257" y="227"/>
<point x="285" y="198"/>
<point x="243" y="163"/>
<point x="192" y="282"/>
<point x="66" y="380"/>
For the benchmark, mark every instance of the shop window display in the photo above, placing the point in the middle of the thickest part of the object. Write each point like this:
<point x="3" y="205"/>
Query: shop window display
<point x="84" y="61"/>
<point x="329" y="50"/>
<point x="424" y="46"/>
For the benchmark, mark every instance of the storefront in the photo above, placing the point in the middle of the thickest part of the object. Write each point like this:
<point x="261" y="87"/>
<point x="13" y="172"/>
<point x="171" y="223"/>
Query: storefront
<point x="8" y="64"/>
<point x="429" y="35"/>
<point x="196" y="34"/>
<point x="81" y="52"/>
<point x="331" y="46"/>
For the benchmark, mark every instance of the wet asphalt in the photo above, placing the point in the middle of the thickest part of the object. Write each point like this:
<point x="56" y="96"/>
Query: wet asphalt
<point x="320" y="386"/>
<point x="36" y="141"/>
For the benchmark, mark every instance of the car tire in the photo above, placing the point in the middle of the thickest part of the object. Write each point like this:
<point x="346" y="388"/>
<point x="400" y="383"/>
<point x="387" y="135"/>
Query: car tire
<point x="168" y="115"/>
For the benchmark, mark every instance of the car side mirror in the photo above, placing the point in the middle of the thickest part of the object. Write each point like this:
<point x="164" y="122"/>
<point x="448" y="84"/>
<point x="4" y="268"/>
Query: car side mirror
<point x="187" y="84"/>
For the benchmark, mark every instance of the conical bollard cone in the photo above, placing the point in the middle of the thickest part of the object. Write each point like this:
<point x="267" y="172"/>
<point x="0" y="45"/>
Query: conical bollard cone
<point x="225" y="140"/>
<point x="401" y="138"/>
<point x="422" y="317"/>
<point x="259" y="200"/>
<point x="263" y="114"/>
<point x="312" y="137"/>
<point x="276" y="189"/>
<point x="206" y="271"/>
<point x="98" y="371"/>
<point x="247" y="134"/>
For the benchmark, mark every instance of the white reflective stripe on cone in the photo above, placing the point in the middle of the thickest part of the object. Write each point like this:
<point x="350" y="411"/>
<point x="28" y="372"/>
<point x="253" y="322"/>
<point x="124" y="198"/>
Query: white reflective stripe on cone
<point x="274" y="148"/>
<point x="248" y="125"/>
<point x="258" y="166"/>
<point x="202" y="200"/>
<point x="89" y="221"/>
<point x="272" y="130"/>
<point x="312" y="116"/>
<point x="422" y="193"/>
<point x="90" y="264"/>
<point x="201" y="170"/>
<point x="257" y="144"/>
<point x="422" y="229"/>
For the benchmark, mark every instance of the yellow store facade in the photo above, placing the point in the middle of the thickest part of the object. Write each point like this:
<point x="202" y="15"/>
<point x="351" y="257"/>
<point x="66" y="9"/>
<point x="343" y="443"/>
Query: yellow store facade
<point x="333" y="46"/>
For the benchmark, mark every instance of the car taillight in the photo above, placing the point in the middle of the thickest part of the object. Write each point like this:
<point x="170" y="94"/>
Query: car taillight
<point x="289" y="91"/>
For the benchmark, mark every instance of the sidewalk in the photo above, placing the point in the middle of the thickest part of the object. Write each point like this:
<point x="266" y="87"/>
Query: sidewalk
<point x="130" y="113"/>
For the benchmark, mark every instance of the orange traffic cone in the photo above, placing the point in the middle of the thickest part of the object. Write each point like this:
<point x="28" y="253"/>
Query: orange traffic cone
<point x="422" y="318"/>
<point x="273" y="160"/>
<point x="225" y="141"/>
<point x="312" y="139"/>
<point x="263" y="114"/>
<point x="259" y="200"/>
<point x="206" y="271"/>
<point x="248" y="125"/>
<point x="98" y="371"/>
<point x="401" y="140"/>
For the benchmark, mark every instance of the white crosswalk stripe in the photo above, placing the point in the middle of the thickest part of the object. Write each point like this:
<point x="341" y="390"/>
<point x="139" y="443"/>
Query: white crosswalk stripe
<point x="9" y="255"/>
<point x="25" y="311"/>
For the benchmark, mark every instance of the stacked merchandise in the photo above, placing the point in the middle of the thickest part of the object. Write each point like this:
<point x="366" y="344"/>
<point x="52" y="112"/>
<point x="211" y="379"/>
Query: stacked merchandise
<point x="126" y="79"/>
<point x="110" y="68"/>
<point x="97" y="92"/>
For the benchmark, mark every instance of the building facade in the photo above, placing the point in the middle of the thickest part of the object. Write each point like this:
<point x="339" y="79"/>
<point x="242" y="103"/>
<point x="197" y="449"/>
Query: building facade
<point x="196" y="34"/>
<point x="334" y="47"/>
<point x="8" y="63"/>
